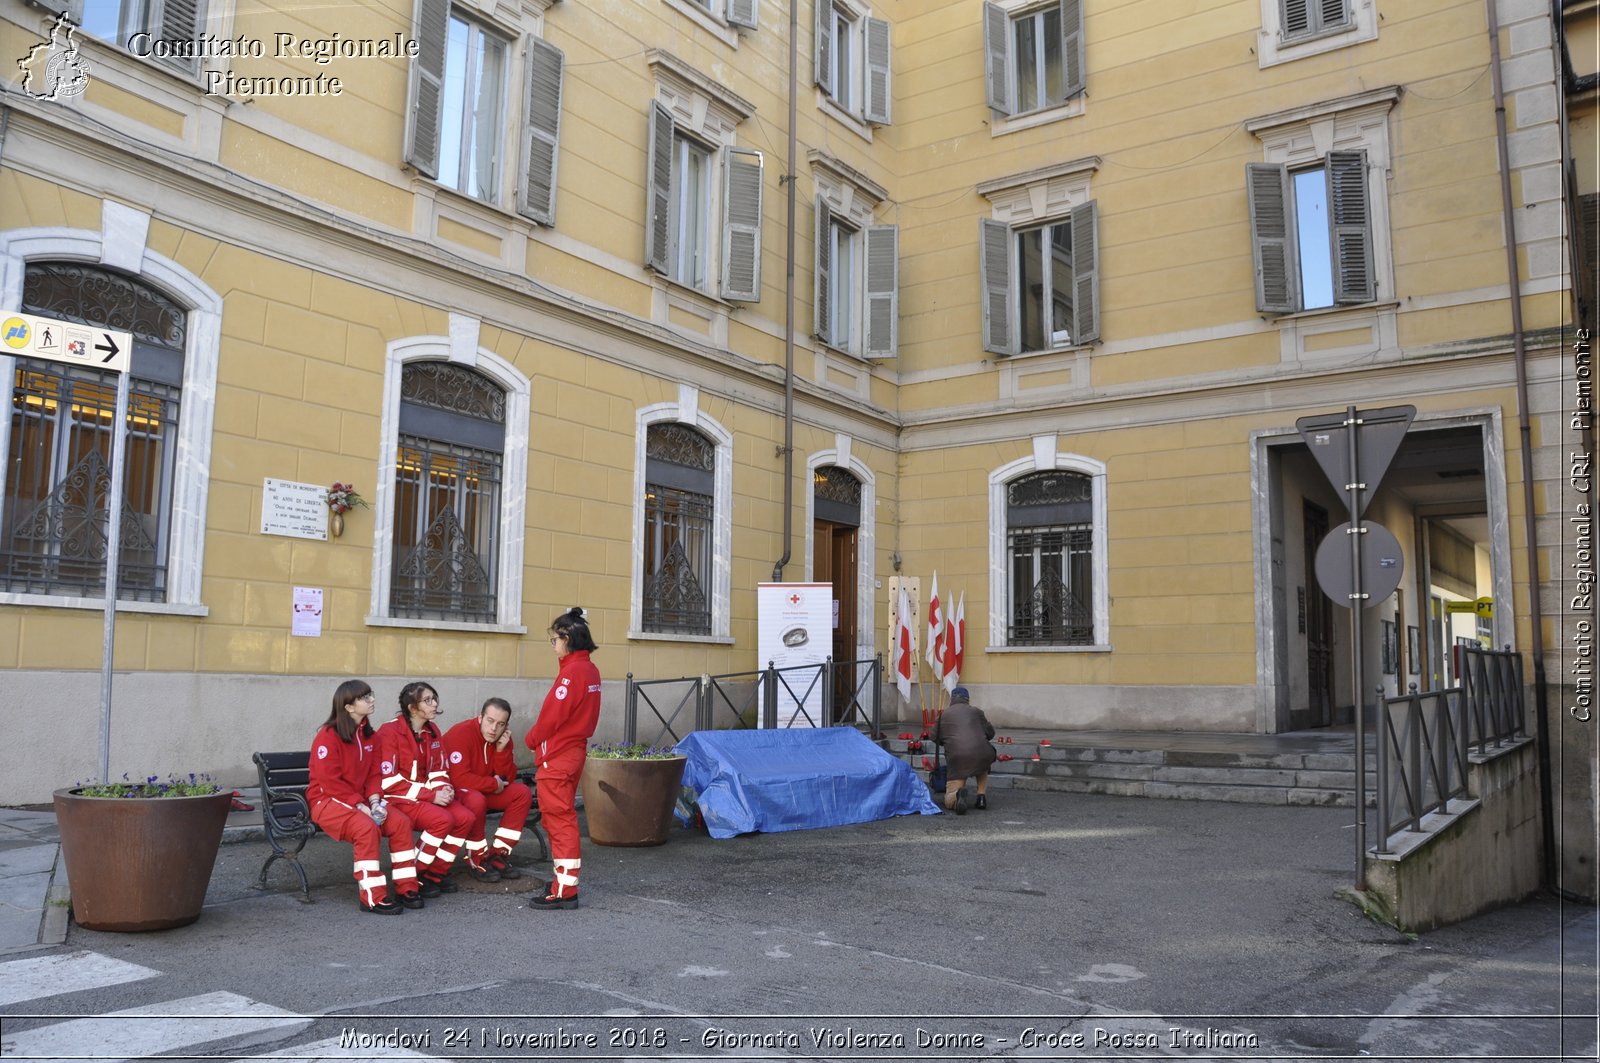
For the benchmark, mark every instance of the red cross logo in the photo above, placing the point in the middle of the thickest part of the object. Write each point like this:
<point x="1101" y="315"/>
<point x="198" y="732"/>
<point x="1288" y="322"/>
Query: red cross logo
<point x="794" y="599"/>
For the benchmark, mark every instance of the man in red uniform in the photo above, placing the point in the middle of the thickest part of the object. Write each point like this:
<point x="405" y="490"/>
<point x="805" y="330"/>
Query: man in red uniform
<point x="484" y="773"/>
<point x="560" y="740"/>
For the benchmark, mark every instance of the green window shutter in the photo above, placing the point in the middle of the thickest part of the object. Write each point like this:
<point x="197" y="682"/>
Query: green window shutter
<point x="878" y="72"/>
<point x="541" y="136"/>
<point x="821" y="301"/>
<point x="996" y="57"/>
<point x="1296" y="17"/>
<point x="426" y="115"/>
<point x="743" y="13"/>
<point x="178" y="20"/>
<point x="883" y="291"/>
<point x="1085" y="273"/>
<point x="1072" y="66"/>
<point x="741" y="226"/>
<point x="995" y="278"/>
<point x="1277" y="260"/>
<point x="657" y="225"/>
<point x="1353" y="280"/>
<point x="823" y="52"/>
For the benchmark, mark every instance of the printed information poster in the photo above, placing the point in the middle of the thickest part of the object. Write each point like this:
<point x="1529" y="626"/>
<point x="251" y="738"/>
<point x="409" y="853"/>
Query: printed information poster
<point x="307" y="621"/>
<point x="795" y="633"/>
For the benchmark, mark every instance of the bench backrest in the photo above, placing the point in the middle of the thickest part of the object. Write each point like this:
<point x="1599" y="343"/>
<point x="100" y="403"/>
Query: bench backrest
<point x="284" y="776"/>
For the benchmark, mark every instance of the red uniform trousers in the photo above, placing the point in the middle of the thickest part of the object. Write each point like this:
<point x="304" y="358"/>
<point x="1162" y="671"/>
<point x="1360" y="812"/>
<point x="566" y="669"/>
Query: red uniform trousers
<point x="341" y="821"/>
<point x="514" y="803"/>
<point x="444" y="829"/>
<point x="557" y="780"/>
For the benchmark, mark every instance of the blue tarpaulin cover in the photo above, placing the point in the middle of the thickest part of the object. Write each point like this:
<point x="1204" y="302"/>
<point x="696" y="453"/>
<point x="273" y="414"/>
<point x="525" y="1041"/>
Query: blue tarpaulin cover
<point x="795" y="779"/>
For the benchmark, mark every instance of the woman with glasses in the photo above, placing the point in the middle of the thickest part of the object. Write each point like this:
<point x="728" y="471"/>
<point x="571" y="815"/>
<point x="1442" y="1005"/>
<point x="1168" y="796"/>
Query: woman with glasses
<point x="484" y="773"/>
<point x="345" y="802"/>
<point x="416" y="781"/>
<point x="560" y="741"/>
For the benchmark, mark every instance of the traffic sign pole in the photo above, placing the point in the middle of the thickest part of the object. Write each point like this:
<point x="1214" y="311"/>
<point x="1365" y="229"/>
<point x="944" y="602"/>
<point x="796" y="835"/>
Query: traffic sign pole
<point x="1358" y="612"/>
<point x="114" y="505"/>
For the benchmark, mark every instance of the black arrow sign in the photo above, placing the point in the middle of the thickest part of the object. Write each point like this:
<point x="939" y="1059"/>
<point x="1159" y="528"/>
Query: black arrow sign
<point x="109" y="345"/>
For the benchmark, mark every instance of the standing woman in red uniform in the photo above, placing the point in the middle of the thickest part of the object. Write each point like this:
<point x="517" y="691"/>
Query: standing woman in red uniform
<point x="344" y="800"/>
<point x="560" y="742"/>
<point x="416" y="781"/>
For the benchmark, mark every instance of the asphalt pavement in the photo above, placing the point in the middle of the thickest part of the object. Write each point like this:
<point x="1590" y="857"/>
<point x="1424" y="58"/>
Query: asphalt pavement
<point x="1052" y="926"/>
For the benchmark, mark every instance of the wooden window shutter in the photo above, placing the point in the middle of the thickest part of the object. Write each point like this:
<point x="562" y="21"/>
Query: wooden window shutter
<point x="879" y="72"/>
<point x="1072" y="64"/>
<point x="995" y="278"/>
<point x="821" y="302"/>
<point x="657" y="230"/>
<point x="741" y="226"/>
<point x="996" y="57"/>
<point x="823" y="52"/>
<point x="178" y="20"/>
<point x="883" y="291"/>
<point x="1353" y="280"/>
<point x="743" y="13"/>
<point x="426" y="115"/>
<point x="1272" y="236"/>
<point x="1085" y="273"/>
<point x="1334" y="13"/>
<point x="541" y="136"/>
<point x="1296" y="17"/>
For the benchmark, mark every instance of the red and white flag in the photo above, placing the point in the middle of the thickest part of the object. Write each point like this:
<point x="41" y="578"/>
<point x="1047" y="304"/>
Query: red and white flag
<point x="903" y="660"/>
<point x="935" y="650"/>
<point x="955" y="634"/>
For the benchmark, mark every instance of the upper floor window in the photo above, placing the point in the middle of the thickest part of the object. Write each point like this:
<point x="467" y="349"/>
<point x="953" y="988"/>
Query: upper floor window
<point x="1306" y="18"/>
<point x="137" y="24"/>
<point x="461" y="127"/>
<point x="447" y="489"/>
<point x="704" y="219"/>
<point x="1040" y="268"/>
<point x="732" y="12"/>
<point x="852" y="60"/>
<point x="54" y="524"/>
<point x="1295" y="29"/>
<point x="857" y="291"/>
<point x="1033" y="55"/>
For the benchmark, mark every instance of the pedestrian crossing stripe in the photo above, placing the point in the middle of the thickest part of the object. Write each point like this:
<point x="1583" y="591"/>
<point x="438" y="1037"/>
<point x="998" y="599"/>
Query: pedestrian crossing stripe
<point x="334" y="1048"/>
<point x="48" y="976"/>
<point x="151" y="1030"/>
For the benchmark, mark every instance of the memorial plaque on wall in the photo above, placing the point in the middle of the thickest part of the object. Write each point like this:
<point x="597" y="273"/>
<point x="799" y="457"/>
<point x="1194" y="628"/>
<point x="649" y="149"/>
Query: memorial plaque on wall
<point x="294" y="509"/>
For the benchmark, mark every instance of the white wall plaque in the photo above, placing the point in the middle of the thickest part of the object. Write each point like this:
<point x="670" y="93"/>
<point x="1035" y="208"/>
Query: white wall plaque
<point x="294" y="509"/>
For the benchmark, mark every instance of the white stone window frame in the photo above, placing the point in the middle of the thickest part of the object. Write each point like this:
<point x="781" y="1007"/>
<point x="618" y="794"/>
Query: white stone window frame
<point x="686" y="410"/>
<point x="850" y="117"/>
<point x="713" y="20"/>
<point x="842" y="455"/>
<point x="461" y="348"/>
<point x="1044" y="458"/>
<point x="121" y="244"/>
<point x="1272" y="49"/>
<point x="1072" y="107"/>
<point x="854" y="198"/>
<point x="1302" y="137"/>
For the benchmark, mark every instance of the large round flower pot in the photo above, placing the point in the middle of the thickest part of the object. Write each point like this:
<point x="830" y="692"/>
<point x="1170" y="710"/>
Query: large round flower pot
<point x="629" y="802"/>
<point x="139" y="863"/>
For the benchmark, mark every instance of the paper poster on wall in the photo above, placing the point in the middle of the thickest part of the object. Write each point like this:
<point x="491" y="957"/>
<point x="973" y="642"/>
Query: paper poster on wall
<point x="795" y="630"/>
<point x="307" y="621"/>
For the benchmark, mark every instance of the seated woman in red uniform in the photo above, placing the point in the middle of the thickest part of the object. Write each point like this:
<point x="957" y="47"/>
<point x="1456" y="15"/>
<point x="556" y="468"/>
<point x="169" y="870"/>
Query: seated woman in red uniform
<point x="416" y="782"/>
<point x="345" y="803"/>
<point x="560" y="741"/>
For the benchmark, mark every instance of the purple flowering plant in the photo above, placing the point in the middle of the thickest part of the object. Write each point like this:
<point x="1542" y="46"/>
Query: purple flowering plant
<point x="631" y="751"/>
<point x="191" y="785"/>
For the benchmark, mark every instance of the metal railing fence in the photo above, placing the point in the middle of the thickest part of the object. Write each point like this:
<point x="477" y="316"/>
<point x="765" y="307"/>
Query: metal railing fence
<point x="1492" y="681"/>
<point x="801" y="695"/>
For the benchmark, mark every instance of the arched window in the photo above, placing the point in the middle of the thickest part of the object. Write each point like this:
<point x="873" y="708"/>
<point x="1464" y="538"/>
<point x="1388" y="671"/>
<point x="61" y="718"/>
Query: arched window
<point x="53" y="517"/>
<point x="679" y="510"/>
<point x="447" y="486"/>
<point x="1050" y="559"/>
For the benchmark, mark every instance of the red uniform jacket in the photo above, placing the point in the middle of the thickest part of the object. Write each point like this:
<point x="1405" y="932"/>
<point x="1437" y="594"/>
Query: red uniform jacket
<point x="343" y="771"/>
<point x="571" y="710"/>
<point x="413" y="762"/>
<point x="473" y="763"/>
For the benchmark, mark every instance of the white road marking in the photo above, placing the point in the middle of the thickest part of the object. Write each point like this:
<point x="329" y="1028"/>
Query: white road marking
<point x="151" y="1030"/>
<point x="48" y="976"/>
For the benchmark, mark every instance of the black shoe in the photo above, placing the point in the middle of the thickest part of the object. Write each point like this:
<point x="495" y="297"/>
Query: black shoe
<point x="981" y="802"/>
<point x="961" y="802"/>
<point x="544" y="900"/>
<point x="383" y="907"/>
<point x="506" y="868"/>
<point x="427" y="887"/>
<point x="444" y="885"/>
<point x="482" y="874"/>
<point x="413" y="900"/>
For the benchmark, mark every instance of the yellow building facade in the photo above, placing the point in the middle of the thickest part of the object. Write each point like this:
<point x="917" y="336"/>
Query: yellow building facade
<point x="1063" y="275"/>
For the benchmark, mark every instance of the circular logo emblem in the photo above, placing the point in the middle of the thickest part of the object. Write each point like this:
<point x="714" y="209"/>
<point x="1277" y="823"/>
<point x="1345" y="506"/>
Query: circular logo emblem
<point x="66" y="74"/>
<point x="322" y="752"/>
<point x="388" y="767"/>
<point x="455" y="758"/>
<point x="16" y="332"/>
<point x="561" y="693"/>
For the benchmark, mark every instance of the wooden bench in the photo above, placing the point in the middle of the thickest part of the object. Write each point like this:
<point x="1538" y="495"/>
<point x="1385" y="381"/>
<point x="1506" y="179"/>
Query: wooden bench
<point x="286" y="816"/>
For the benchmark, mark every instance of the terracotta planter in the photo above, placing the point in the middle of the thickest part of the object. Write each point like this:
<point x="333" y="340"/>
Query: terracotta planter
<point x="629" y="802"/>
<point x="139" y="863"/>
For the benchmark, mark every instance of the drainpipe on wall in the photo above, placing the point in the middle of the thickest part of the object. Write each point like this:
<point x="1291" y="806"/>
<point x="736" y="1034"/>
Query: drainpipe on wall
<point x="1525" y="437"/>
<point x="788" y="310"/>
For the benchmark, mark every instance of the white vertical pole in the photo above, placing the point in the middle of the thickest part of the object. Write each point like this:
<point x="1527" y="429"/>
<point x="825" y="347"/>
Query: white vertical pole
<point x="114" y="507"/>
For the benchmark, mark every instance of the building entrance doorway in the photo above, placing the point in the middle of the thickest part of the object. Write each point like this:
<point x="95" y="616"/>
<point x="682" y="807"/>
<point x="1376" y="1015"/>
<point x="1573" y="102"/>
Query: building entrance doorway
<point x="835" y="562"/>
<point x="1319" y="625"/>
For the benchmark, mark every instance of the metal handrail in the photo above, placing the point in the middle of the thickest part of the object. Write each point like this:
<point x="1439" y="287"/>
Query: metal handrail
<point x="717" y="703"/>
<point x="638" y="690"/>
<point x="1492" y="682"/>
<point x="1422" y="759"/>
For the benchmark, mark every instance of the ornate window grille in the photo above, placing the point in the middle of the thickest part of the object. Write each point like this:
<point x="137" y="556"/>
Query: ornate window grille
<point x="678" y="509"/>
<point x="1050" y="558"/>
<point x="54" y="525"/>
<point x="447" y="494"/>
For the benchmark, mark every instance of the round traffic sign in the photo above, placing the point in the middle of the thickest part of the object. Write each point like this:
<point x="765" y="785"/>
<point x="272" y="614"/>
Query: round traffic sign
<point x="1382" y="565"/>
